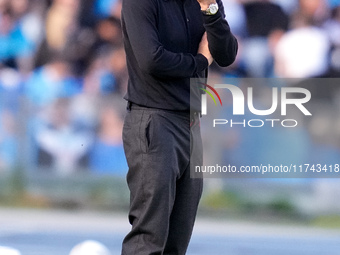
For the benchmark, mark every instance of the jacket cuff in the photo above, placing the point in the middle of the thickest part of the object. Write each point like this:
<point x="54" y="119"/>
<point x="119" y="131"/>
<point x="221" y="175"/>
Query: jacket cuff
<point x="207" y="19"/>
<point x="201" y="63"/>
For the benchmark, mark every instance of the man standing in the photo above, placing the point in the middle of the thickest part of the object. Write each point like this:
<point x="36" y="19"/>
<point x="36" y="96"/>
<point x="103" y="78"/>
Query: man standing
<point x="167" y="42"/>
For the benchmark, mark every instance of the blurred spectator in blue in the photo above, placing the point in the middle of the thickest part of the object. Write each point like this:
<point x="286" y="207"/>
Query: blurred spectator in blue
<point x="50" y="82"/>
<point x="99" y="79"/>
<point x="20" y="31"/>
<point x="62" y="145"/>
<point x="12" y="41"/>
<point x="107" y="73"/>
<point x="30" y="22"/>
<point x="105" y="8"/>
<point x="43" y="88"/>
<point x="107" y="154"/>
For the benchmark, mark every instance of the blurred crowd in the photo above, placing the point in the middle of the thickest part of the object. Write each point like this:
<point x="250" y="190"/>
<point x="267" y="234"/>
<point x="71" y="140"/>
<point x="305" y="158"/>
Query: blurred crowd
<point x="63" y="72"/>
<point x="286" y="38"/>
<point x="62" y="77"/>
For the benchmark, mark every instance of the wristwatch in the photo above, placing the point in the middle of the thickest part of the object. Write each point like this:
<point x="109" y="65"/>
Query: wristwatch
<point x="212" y="9"/>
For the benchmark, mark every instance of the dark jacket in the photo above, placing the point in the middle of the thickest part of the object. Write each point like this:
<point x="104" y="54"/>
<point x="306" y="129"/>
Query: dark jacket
<point x="161" y="39"/>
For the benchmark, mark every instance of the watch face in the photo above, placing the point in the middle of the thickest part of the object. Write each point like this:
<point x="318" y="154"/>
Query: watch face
<point x="213" y="8"/>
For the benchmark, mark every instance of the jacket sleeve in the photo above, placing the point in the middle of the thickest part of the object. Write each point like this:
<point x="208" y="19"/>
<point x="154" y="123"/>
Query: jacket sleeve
<point x="140" y="25"/>
<point x="223" y="45"/>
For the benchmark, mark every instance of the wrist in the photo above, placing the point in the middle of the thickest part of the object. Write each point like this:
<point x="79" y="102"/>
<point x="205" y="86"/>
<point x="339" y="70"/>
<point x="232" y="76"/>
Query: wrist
<point x="204" y="7"/>
<point x="205" y="4"/>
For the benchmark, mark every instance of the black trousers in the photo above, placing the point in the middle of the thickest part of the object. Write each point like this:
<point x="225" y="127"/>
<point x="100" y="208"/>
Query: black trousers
<point x="163" y="197"/>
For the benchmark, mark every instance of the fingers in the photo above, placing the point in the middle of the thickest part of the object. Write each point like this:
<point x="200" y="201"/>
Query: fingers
<point x="204" y="48"/>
